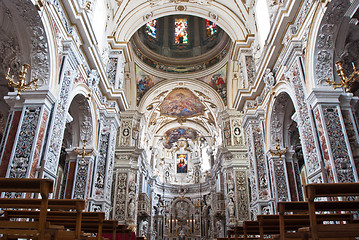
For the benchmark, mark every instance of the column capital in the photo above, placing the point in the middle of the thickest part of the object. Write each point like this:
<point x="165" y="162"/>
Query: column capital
<point x="39" y="97"/>
<point x="323" y="96"/>
<point x="253" y="115"/>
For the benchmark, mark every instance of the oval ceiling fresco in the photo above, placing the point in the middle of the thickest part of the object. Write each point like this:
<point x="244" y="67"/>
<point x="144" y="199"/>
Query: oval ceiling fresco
<point x="181" y="103"/>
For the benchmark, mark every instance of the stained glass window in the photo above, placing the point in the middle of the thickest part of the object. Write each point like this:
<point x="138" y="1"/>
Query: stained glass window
<point x="181" y="31"/>
<point x="151" y="28"/>
<point x="211" y="28"/>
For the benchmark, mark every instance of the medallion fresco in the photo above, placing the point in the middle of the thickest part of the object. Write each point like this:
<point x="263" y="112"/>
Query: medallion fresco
<point x="181" y="103"/>
<point x="174" y="134"/>
<point x="218" y="81"/>
<point x="144" y="82"/>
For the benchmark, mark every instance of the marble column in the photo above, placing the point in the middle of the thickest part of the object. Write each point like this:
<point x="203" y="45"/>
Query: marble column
<point x="100" y="199"/>
<point x="330" y="119"/>
<point x="83" y="176"/>
<point x="262" y="201"/>
<point x="127" y="154"/>
<point x="279" y="175"/>
<point x="24" y="136"/>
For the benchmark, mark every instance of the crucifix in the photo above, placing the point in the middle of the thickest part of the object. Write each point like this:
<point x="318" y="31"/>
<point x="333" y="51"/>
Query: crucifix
<point x="278" y="151"/>
<point x="83" y="152"/>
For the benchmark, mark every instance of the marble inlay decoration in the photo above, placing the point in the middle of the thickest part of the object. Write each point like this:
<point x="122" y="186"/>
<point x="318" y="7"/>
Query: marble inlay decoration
<point x="21" y="162"/>
<point x="344" y="169"/>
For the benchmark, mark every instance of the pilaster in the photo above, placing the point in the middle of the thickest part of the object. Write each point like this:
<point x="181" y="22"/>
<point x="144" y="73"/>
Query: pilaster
<point x="330" y="119"/>
<point x="236" y="163"/>
<point x="262" y="201"/>
<point x="100" y="199"/>
<point x="280" y="183"/>
<point x="25" y="133"/>
<point x="126" y="167"/>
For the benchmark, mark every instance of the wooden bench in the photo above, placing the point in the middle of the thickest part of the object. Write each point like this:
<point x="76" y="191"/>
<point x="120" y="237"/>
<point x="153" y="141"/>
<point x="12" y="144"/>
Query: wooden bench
<point x="292" y="223"/>
<point x="41" y="186"/>
<point x="328" y="190"/>
<point x="53" y="204"/>
<point x="91" y="222"/>
<point x="111" y="229"/>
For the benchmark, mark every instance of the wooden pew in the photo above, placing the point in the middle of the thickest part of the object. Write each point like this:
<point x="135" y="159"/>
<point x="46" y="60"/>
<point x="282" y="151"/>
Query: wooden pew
<point x="53" y="204"/>
<point x="91" y="222"/>
<point x="292" y="223"/>
<point x="327" y="190"/>
<point x="42" y="186"/>
<point x="111" y="229"/>
<point x="235" y="232"/>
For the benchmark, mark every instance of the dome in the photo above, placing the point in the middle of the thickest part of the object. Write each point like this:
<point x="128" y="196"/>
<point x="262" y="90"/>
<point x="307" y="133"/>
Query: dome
<point x="180" y="43"/>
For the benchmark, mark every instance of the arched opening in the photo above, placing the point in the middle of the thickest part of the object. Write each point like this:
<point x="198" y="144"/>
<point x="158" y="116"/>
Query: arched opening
<point x="78" y="133"/>
<point x="284" y="132"/>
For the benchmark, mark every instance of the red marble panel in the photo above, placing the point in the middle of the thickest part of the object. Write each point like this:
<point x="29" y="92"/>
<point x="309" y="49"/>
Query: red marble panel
<point x="291" y="179"/>
<point x="40" y="139"/>
<point x="89" y="176"/>
<point x="324" y="145"/>
<point x="10" y="143"/>
<point x="70" y="179"/>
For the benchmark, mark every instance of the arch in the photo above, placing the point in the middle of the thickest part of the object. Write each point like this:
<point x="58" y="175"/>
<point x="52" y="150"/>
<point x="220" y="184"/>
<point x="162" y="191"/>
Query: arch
<point x="32" y="35"/>
<point x="281" y="88"/>
<point x="167" y="85"/>
<point x="80" y="95"/>
<point x="230" y="22"/>
<point x="322" y="52"/>
<point x="205" y="123"/>
<point x="284" y="131"/>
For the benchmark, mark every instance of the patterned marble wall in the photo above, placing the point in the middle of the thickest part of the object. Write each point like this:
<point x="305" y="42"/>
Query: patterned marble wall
<point x="21" y="163"/>
<point x="338" y="144"/>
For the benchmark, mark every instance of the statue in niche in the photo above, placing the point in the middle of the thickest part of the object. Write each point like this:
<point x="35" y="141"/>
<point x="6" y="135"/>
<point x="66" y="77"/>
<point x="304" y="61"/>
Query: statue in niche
<point x="231" y="208"/>
<point x="131" y="209"/>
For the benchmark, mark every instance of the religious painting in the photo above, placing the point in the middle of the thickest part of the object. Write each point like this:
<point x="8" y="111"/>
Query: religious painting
<point x="182" y="160"/>
<point x="181" y="31"/>
<point x="218" y="81"/>
<point x="181" y="103"/>
<point x="174" y="134"/>
<point x="144" y="82"/>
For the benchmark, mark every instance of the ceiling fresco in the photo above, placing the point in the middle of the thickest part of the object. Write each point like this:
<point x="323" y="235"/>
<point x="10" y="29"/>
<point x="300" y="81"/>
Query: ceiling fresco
<point x="174" y="134"/>
<point x="218" y="81"/>
<point x="181" y="103"/>
<point x="144" y="82"/>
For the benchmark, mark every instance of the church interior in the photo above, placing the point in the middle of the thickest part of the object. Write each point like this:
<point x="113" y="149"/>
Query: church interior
<point x="179" y="119"/>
